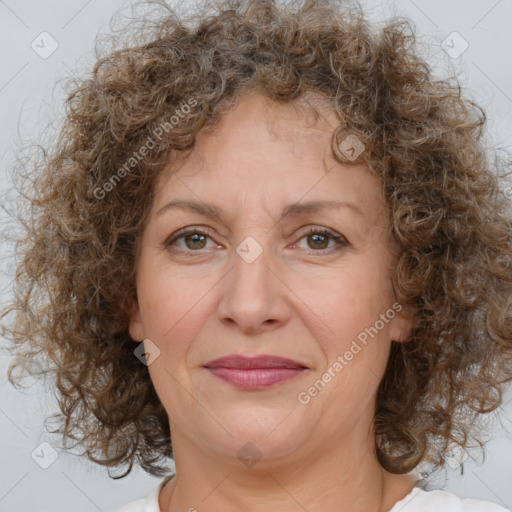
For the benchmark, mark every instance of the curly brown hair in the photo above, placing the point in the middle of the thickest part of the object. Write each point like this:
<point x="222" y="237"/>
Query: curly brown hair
<point x="449" y="217"/>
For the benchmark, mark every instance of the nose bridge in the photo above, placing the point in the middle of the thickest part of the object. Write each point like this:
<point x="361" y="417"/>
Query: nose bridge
<point x="252" y="263"/>
<point x="253" y="295"/>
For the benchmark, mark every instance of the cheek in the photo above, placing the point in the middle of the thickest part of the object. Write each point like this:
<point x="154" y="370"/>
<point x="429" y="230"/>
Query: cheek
<point x="347" y="301"/>
<point x="360" y="343"/>
<point x="173" y="309"/>
<point x="171" y="305"/>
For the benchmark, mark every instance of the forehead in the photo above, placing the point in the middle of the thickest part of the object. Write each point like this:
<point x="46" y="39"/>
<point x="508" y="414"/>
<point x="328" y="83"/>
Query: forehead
<point x="298" y="129"/>
<point x="264" y="153"/>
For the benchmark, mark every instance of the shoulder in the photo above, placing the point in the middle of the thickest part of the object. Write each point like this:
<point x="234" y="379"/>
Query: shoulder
<point x="422" y="501"/>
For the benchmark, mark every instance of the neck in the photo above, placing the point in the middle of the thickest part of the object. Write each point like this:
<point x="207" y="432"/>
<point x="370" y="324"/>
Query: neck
<point x="344" y="476"/>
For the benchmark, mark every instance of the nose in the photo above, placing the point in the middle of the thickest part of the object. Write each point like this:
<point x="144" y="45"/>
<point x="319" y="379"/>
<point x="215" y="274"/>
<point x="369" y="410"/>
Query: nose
<point x="254" y="296"/>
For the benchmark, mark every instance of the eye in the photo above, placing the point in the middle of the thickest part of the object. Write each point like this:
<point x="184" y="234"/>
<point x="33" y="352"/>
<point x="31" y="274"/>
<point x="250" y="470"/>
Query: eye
<point x="319" y="239"/>
<point x="194" y="239"/>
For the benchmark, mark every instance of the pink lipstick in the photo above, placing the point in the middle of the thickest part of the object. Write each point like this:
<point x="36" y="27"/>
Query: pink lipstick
<point x="253" y="373"/>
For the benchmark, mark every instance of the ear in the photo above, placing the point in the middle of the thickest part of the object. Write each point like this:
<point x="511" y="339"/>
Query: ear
<point x="135" y="328"/>
<point x="401" y="324"/>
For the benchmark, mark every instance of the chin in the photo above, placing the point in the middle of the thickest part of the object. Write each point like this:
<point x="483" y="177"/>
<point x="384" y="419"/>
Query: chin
<point x="270" y="435"/>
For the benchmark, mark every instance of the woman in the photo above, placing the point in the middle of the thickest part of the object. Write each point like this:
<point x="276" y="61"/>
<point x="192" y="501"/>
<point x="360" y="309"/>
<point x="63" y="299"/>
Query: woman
<point x="270" y="245"/>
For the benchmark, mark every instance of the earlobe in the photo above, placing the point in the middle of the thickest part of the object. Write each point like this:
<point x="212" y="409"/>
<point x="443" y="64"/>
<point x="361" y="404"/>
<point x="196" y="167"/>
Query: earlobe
<point x="401" y="334"/>
<point x="401" y="328"/>
<point x="135" y="328"/>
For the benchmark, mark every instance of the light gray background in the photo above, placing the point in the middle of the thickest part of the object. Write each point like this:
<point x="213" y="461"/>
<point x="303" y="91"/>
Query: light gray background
<point x="27" y="100"/>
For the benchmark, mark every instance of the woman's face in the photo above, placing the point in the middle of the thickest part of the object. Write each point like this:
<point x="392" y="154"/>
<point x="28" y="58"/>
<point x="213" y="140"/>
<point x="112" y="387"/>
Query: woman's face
<point x="259" y="283"/>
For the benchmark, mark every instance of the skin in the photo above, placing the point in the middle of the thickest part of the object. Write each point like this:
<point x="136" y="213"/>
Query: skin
<point x="303" y="298"/>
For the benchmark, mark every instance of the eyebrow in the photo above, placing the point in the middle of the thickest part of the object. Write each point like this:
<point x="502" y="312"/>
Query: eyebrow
<point x="294" y="209"/>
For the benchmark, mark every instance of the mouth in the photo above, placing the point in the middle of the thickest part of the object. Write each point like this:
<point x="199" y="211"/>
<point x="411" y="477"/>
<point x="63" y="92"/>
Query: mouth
<point x="255" y="373"/>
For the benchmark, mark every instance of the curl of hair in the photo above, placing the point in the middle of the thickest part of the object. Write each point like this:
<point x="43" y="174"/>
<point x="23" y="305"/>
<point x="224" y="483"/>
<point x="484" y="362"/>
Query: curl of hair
<point x="449" y="219"/>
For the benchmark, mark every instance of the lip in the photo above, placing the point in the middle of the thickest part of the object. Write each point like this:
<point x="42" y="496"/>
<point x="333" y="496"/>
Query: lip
<point x="248" y="362"/>
<point x="254" y="373"/>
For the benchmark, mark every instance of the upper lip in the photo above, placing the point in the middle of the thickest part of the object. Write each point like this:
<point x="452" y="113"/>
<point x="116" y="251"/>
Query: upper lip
<point x="252" y="362"/>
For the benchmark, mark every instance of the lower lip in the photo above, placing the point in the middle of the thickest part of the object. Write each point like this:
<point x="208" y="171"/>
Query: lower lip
<point x="256" y="378"/>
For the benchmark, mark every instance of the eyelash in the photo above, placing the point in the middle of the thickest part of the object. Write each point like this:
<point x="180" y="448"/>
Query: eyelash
<point x="340" y="240"/>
